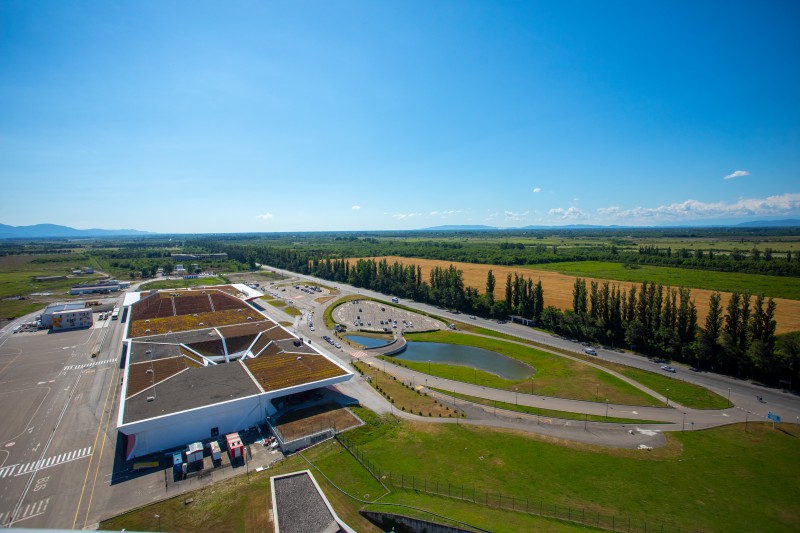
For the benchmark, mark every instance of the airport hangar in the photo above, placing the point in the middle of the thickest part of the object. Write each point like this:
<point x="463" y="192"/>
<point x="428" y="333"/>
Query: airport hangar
<point x="204" y="362"/>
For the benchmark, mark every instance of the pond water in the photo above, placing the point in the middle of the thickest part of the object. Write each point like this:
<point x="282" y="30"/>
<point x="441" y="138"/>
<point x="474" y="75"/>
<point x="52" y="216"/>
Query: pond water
<point x="454" y="354"/>
<point x="369" y="342"/>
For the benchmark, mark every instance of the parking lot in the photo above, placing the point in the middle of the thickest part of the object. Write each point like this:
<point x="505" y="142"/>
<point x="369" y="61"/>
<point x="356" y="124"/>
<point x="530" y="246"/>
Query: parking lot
<point x="368" y="315"/>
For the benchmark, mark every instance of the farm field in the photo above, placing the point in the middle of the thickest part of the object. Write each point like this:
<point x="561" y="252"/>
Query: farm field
<point x="558" y="287"/>
<point x="17" y="273"/>
<point x="775" y="286"/>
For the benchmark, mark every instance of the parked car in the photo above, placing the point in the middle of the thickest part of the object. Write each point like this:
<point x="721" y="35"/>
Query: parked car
<point x="668" y="368"/>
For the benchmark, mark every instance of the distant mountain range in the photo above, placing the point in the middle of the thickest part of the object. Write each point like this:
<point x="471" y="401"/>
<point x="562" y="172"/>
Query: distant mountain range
<point x="52" y="230"/>
<point x="785" y="223"/>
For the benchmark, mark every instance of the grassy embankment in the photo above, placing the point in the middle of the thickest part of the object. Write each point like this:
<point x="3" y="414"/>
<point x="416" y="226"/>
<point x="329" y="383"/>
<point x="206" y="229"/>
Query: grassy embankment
<point x="401" y="395"/>
<point x="723" y="479"/>
<point x="775" y="286"/>
<point x="555" y="375"/>
<point x="547" y="413"/>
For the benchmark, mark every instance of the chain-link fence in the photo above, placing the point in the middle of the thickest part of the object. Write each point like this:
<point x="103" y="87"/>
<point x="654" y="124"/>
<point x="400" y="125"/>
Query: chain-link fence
<point x="498" y="500"/>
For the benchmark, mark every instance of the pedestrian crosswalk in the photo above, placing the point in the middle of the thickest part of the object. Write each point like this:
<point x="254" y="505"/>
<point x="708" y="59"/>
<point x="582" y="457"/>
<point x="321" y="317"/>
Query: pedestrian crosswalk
<point x="360" y="354"/>
<point x="27" y="468"/>
<point x="27" y="511"/>
<point x="88" y="365"/>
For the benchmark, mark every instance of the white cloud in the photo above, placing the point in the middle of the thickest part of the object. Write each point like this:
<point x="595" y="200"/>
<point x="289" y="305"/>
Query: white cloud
<point x="265" y="216"/>
<point x="537" y="189"/>
<point x="573" y="213"/>
<point x="401" y="216"/>
<point x="356" y="207"/>
<point x="737" y="174"/>
<point x="515" y="217"/>
<point x="694" y="209"/>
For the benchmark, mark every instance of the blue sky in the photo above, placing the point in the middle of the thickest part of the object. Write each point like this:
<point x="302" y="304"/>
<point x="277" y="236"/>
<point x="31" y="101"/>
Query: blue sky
<point x="295" y="116"/>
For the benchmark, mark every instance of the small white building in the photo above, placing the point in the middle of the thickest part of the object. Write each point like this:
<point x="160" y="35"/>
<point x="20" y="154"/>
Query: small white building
<point x="72" y="318"/>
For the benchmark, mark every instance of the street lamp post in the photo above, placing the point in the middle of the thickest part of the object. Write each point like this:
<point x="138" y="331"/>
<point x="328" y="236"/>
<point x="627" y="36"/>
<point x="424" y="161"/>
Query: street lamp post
<point x="667" y="396"/>
<point x="729" y="396"/>
<point x="684" y="422"/>
<point x="516" y="397"/>
<point x="606" y="407"/>
<point x="454" y="406"/>
<point x="597" y="392"/>
<point x="158" y="517"/>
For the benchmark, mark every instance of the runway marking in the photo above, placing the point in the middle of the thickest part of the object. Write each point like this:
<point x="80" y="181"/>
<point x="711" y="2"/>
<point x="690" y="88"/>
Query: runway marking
<point x="12" y="470"/>
<point x="88" y="365"/>
<point x="32" y="509"/>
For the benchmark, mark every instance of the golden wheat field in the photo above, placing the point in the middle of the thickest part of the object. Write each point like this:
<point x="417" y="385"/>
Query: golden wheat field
<point x="558" y="287"/>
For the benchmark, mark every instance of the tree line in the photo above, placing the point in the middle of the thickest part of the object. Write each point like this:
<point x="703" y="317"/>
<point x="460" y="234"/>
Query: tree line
<point x="737" y="339"/>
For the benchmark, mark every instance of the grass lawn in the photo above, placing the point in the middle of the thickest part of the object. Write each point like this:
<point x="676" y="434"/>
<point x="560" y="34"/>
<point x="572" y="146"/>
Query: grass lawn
<point x="685" y="394"/>
<point x="555" y="376"/>
<point x="292" y="311"/>
<point x="17" y="278"/>
<point x="723" y="479"/>
<point x="714" y="480"/>
<point x="182" y="283"/>
<point x="550" y="413"/>
<point x="775" y="286"/>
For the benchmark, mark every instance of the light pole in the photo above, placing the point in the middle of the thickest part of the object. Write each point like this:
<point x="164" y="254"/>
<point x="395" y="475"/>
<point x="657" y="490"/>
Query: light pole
<point x="454" y="406"/>
<point x="158" y="517"/>
<point x="684" y="422"/>
<point x="516" y="397"/>
<point x="597" y="392"/>
<point x="606" y="407"/>
<point x="729" y="396"/>
<point x="667" y="396"/>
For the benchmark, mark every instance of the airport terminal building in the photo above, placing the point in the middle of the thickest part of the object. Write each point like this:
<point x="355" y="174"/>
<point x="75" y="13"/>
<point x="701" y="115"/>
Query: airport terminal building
<point x="201" y="363"/>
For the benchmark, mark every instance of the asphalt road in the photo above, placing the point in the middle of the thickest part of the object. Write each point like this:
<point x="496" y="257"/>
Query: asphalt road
<point x="742" y="393"/>
<point x="58" y="434"/>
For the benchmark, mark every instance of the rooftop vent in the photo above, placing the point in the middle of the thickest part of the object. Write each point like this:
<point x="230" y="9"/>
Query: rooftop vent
<point x="147" y="331"/>
<point x="151" y="398"/>
<point x="149" y="371"/>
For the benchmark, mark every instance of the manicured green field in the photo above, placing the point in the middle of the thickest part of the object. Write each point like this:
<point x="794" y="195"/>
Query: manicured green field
<point x="548" y="413"/>
<point x="182" y="283"/>
<point x="723" y="479"/>
<point x="677" y="391"/>
<point x="555" y="375"/>
<point x="775" y="286"/>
